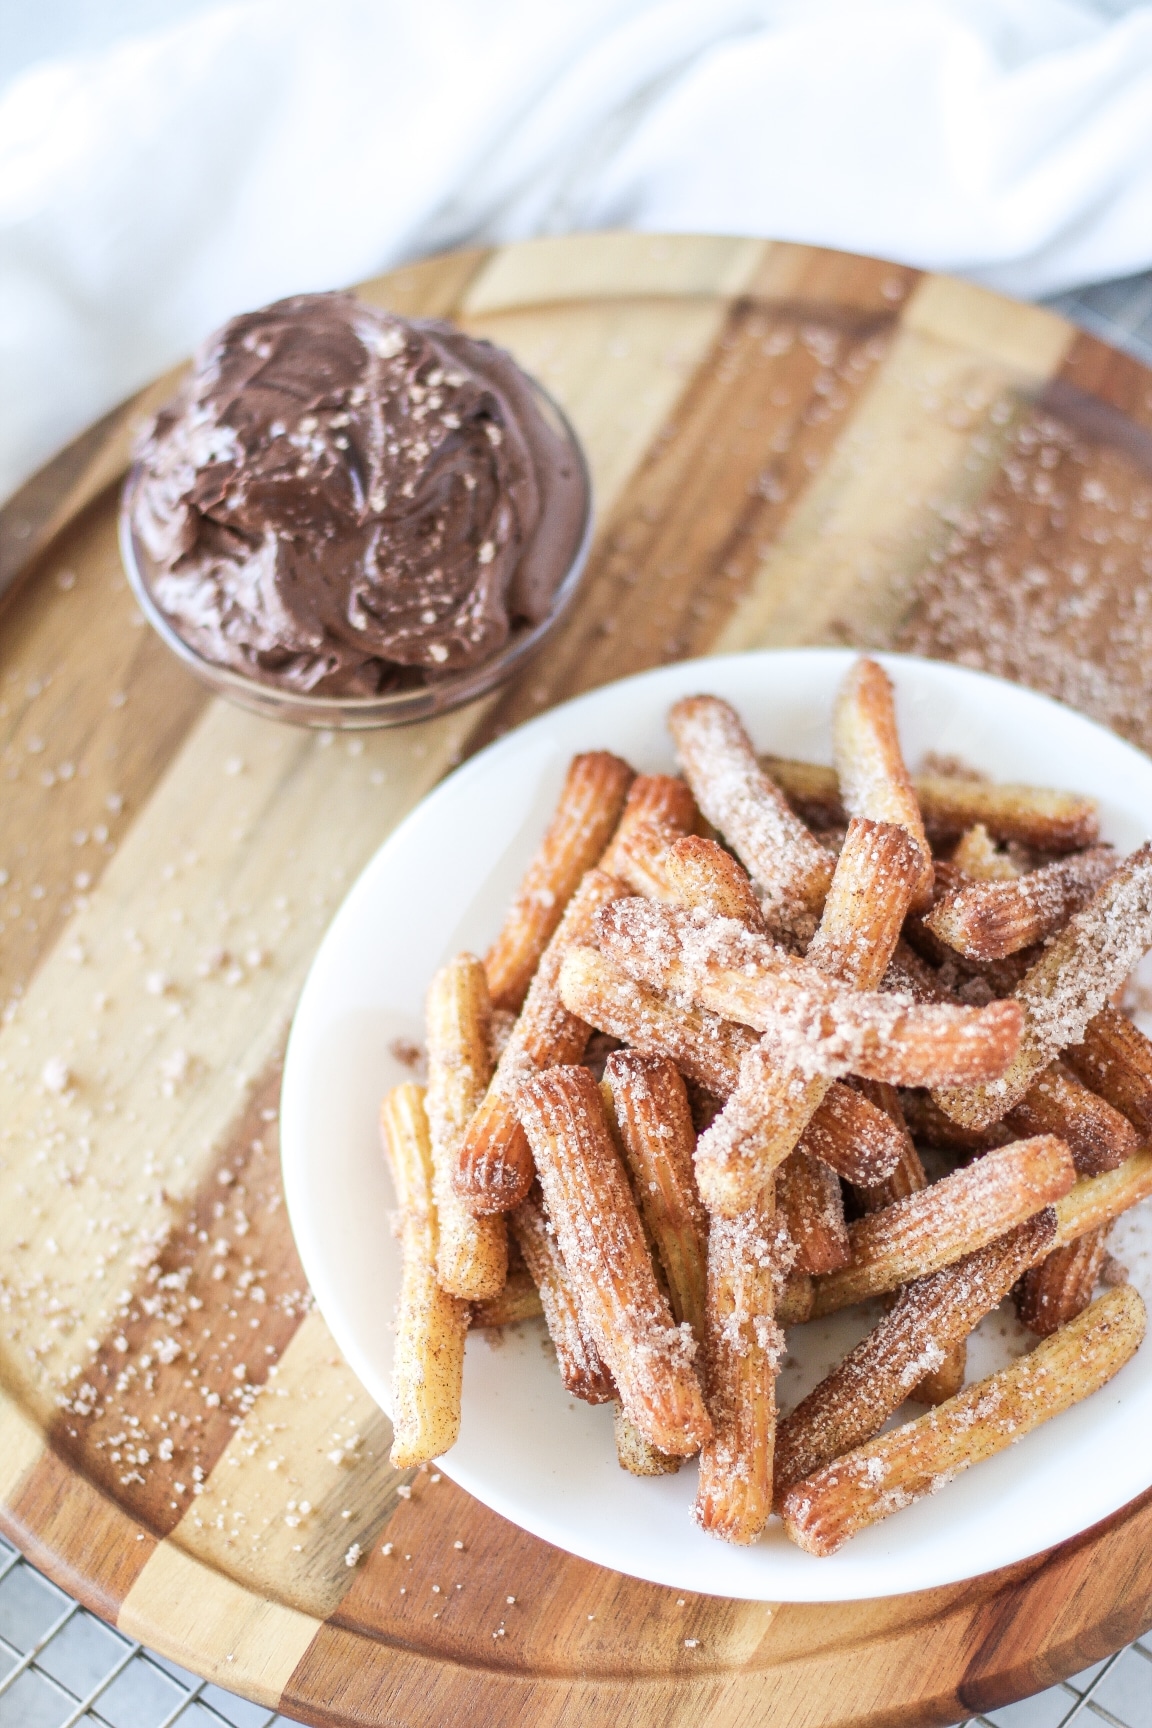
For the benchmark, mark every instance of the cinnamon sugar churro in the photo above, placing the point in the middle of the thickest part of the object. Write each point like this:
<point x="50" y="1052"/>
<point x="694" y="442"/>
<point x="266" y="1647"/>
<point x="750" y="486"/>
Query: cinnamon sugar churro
<point x="755" y="996"/>
<point x="823" y="1510"/>
<point x="590" y="803"/>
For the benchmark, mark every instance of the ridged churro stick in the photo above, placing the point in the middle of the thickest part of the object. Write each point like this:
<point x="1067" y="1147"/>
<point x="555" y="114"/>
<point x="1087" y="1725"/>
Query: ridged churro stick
<point x="821" y="1026"/>
<point x="988" y="920"/>
<point x="930" y="1317"/>
<point x="582" y="1369"/>
<point x="1098" y="1137"/>
<point x="606" y="1256"/>
<point x="853" y="1136"/>
<point x="493" y="1169"/>
<point x="788" y="865"/>
<point x="1114" y="1058"/>
<point x="905" y="1179"/>
<point x="1061" y="1286"/>
<point x="649" y="1106"/>
<point x="742" y="1355"/>
<point x="953" y="1217"/>
<point x="870" y="764"/>
<point x="1099" y="1200"/>
<point x="703" y="875"/>
<point x="811" y="1208"/>
<point x="821" y="1512"/>
<point x="472" y="1256"/>
<point x="589" y="807"/>
<point x="847" y="1131"/>
<point x="658" y="810"/>
<point x="1066" y="988"/>
<point x="428" y="1363"/>
<point x="1033" y="815"/>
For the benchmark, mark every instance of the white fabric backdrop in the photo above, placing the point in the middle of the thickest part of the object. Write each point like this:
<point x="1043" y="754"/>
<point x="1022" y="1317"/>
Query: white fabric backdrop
<point x="152" y="186"/>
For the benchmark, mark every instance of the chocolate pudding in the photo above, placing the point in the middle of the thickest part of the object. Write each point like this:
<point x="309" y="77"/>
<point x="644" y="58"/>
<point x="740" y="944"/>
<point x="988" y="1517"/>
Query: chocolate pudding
<point x="343" y="502"/>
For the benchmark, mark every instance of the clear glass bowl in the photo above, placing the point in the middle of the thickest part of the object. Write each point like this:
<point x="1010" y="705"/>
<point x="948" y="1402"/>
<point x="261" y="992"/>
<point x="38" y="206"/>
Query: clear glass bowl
<point x="395" y="708"/>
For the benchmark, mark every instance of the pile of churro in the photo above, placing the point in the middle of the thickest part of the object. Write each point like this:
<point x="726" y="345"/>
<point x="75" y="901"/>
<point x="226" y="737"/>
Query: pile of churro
<point x="680" y="1106"/>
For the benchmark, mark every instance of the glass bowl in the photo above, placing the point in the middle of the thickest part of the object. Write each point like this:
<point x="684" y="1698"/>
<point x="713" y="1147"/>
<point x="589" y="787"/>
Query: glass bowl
<point x="393" y="708"/>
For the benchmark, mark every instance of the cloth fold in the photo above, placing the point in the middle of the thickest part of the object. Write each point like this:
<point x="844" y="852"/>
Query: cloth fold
<point x="152" y="188"/>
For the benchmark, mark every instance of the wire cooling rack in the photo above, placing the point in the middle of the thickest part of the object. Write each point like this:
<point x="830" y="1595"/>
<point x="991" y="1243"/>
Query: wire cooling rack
<point x="61" y="1667"/>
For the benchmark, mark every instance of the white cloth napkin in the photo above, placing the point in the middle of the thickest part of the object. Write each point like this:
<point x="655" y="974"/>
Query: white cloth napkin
<point x="152" y="188"/>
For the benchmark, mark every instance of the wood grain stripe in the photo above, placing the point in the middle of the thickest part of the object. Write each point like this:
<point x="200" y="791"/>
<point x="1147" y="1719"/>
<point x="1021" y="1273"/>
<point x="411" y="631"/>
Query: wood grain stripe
<point x="922" y="446"/>
<point x="81" y="1539"/>
<point x="205" y="1621"/>
<point x="712" y="495"/>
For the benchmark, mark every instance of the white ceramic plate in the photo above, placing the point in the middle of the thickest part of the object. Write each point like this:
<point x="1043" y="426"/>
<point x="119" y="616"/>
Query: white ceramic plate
<point x="527" y="1450"/>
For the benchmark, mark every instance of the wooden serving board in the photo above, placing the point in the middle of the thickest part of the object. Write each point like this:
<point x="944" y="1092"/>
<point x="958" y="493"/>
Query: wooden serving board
<point x="789" y="446"/>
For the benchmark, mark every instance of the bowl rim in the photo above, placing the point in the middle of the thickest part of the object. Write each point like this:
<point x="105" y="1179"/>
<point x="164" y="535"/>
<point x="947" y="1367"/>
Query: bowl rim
<point x="402" y="707"/>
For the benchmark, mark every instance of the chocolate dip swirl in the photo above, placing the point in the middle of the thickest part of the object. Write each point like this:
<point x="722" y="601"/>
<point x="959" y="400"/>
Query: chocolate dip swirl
<point x="346" y="502"/>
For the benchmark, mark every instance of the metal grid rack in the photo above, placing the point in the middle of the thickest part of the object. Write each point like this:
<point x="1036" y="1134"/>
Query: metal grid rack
<point x="62" y="1667"/>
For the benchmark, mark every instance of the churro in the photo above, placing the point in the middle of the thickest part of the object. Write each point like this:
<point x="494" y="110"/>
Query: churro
<point x="870" y="764"/>
<point x="1061" y="1286"/>
<point x="930" y="1317"/>
<point x="788" y="865"/>
<point x="428" y="1361"/>
<point x="988" y="920"/>
<point x="582" y="1369"/>
<point x="472" y="1255"/>
<point x="606" y="1256"/>
<point x="948" y="1219"/>
<point x="823" y="1510"/>
<point x="1069" y="984"/>
<point x="588" y="809"/>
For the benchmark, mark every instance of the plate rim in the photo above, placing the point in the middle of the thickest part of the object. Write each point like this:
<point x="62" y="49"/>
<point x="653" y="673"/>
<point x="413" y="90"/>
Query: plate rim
<point x="293" y="1157"/>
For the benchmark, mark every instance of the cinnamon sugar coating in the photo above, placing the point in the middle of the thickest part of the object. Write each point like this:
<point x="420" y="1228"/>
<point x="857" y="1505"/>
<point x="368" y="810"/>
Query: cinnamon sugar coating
<point x="606" y="1256"/>
<point x="930" y="1317"/>
<point x="988" y="920"/>
<point x="949" y="1219"/>
<point x="823" y="1510"/>
<point x="788" y="865"/>
<point x="493" y="1170"/>
<point x="586" y="814"/>
<point x="582" y="1369"/>
<point x="1061" y="1286"/>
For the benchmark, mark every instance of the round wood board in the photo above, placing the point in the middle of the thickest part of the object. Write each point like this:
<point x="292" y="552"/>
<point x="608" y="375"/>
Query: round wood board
<point x="789" y="446"/>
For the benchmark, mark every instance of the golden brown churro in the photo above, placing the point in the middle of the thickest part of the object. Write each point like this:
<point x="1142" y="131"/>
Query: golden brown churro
<point x="1098" y="1137"/>
<point x="988" y="920"/>
<point x="847" y="1131"/>
<point x="590" y="803"/>
<point x="870" y="764"/>
<point x="606" y="1256"/>
<point x="742" y="1354"/>
<point x="953" y="1217"/>
<point x="428" y="1362"/>
<point x="703" y="875"/>
<point x="659" y="809"/>
<point x="1034" y="816"/>
<point x="1115" y="1059"/>
<point x="817" y="1024"/>
<point x="493" y="1169"/>
<point x="1098" y="1200"/>
<point x="930" y="1317"/>
<point x="1061" y="1286"/>
<point x="821" y="1512"/>
<point x="650" y="1108"/>
<point x="582" y="1369"/>
<point x="811" y="1208"/>
<point x="1066" y="988"/>
<point x="788" y="865"/>
<point x="472" y="1257"/>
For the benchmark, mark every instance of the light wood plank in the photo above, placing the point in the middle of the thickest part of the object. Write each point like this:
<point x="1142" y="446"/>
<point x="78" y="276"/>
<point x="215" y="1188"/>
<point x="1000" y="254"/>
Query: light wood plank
<point x="205" y="1621"/>
<point x="591" y="267"/>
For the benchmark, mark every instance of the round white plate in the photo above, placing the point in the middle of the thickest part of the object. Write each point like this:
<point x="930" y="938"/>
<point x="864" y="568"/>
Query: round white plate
<point x="527" y="1450"/>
